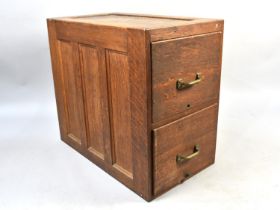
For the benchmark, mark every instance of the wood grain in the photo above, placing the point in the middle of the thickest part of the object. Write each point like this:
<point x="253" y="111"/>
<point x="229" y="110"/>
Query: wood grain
<point x="103" y="36"/>
<point x="199" y="26"/>
<point x="130" y="21"/>
<point x="57" y="78"/>
<point x="182" y="59"/>
<point x="140" y="81"/>
<point x="73" y="92"/>
<point x="115" y="84"/>
<point x="96" y="98"/>
<point x="180" y="137"/>
<point x="119" y="89"/>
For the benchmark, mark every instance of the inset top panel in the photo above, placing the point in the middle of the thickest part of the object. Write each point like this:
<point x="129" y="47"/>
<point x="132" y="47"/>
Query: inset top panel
<point x="132" y="21"/>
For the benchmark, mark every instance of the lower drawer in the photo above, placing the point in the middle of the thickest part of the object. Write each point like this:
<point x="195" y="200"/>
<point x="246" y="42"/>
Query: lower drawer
<point x="183" y="148"/>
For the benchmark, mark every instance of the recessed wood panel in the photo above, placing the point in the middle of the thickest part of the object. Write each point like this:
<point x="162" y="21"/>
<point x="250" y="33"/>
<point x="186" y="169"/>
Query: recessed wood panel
<point x="92" y="61"/>
<point x="73" y="95"/>
<point x="119" y="89"/>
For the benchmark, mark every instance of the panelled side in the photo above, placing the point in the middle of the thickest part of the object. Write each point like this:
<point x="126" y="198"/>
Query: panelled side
<point x="103" y="95"/>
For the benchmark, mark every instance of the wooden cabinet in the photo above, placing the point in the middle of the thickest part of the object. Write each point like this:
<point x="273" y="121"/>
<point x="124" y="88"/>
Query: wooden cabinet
<point x="138" y="95"/>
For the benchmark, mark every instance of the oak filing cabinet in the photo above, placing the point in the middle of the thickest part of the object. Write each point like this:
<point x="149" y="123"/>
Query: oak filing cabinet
<point x="138" y="95"/>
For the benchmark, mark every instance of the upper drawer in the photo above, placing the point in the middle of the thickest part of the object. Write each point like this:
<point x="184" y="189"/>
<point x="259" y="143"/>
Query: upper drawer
<point x="185" y="74"/>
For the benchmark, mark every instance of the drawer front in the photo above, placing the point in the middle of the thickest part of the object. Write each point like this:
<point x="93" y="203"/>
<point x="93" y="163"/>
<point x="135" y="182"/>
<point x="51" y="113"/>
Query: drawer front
<point x="183" y="148"/>
<point x="185" y="74"/>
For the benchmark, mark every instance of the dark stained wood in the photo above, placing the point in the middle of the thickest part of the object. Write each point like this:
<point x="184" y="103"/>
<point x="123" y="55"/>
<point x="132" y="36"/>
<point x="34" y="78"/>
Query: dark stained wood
<point x="119" y="88"/>
<point x="180" y="137"/>
<point x="182" y="59"/>
<point x="102" y="36"/>
<point x="109" y="68"/>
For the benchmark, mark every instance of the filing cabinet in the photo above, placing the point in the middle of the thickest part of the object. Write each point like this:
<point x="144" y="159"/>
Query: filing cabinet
<point x="138" y="95"/>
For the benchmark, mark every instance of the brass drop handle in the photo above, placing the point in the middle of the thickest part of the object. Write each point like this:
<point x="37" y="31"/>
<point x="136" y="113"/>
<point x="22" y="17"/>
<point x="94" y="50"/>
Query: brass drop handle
<point x="180" y="84"/>
<point x="184" y="158"/>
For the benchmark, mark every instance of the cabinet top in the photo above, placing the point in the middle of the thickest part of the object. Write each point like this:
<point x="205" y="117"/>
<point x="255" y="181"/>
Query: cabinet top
<point x="147" y="22"/>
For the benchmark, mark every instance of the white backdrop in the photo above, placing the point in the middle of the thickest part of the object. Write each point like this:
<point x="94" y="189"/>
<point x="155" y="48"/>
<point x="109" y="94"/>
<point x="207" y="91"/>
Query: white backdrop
<point x="37" y="171"/>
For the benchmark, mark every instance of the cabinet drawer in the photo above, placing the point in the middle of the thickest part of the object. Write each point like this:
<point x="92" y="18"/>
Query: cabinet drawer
<point x="183" y="148"/>
<point x="185" y="74"/>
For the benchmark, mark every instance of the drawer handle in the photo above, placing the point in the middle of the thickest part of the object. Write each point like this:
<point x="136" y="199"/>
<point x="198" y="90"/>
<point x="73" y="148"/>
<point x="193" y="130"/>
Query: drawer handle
<point x="180" y="84"/>
<point x="184" y="158"/>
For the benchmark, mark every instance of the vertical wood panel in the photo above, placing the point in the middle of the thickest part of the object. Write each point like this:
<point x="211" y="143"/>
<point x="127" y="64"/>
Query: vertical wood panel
<point x="118" y="78"/>
<point x="73" y="91"/>
<point x="58" y="79"/>
<point x="96" y="101"/>
<point x="140" y="81"/>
